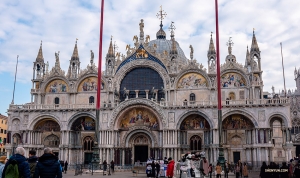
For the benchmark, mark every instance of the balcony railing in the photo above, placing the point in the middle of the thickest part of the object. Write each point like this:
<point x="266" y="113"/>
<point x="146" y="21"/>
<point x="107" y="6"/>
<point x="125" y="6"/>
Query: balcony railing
<point x="204" y="103"/>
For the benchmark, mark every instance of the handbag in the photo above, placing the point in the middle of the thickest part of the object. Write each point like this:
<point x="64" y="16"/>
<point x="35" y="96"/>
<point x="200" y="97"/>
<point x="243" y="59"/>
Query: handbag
<point x="183" y="168"/>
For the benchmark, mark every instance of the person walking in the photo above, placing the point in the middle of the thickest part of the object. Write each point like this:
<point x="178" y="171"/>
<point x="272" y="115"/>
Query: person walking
<point x="237" y="170"/>
<point x="2" y="164"/>
<point x="19" y="159"/>
<point x="170" y="168"/>
<point x="32" y="160"/>
<point x="210" y="170"/>
<point x="153" y="169"/>
<point x="104" y="167"/>
<point x="226" y="169"/>
<point x="66" y="167"/>
<point x="245" y="171"/>
<point x="157" y="167"/>
<point x="263" y="170"/>
<point x="112" y="166"/>
<point x="218" y="170"/>
<point x="48" y="166"/>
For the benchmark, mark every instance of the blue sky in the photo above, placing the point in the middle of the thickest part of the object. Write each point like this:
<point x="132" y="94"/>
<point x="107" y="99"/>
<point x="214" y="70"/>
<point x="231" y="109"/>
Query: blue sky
<point x="58" y="23"/>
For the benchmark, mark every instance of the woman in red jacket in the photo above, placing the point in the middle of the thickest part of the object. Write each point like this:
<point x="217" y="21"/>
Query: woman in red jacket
<point x="170" y="168"/>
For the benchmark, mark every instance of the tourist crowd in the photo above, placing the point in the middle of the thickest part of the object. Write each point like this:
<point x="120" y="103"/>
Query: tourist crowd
<point x="45" y="166"/>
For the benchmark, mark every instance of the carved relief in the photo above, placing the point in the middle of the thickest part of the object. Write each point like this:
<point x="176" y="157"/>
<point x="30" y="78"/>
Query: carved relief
<point x="261" y="115"/>
<point x="171" y="116"/>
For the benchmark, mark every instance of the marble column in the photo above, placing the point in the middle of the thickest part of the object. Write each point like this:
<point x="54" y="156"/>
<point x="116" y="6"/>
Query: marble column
<point x="147" y="93"/>
<point x="136" y="93"/>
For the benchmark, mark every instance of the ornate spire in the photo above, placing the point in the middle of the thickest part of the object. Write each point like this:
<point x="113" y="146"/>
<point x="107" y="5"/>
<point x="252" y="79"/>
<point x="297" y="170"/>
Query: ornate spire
<point x="174" y="49"/>
<point x="75" y="52"/>
<point x="211" y="49"/>
<point x="248" y="59"/>
<point x="254" y="45"/>
<point x="40" y="57"/>
<point x="110" y="49"/>
<point x="161" y="34"/>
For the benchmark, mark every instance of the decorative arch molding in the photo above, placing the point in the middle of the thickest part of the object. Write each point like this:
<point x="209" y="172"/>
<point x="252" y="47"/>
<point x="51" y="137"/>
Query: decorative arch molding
<point x="75" y="116"/>
<point x="40" y="117"/>
<point x="50" y="79"/>
<point x="137" y="130"/>
<point x="121" y="73"/>
<point x="238" y="71"/>
<point x="201" y="72"/>
<point x="249" y="115"/>
<point x="138" y="135"/>
<point x="83" y="77"/>
<point x="138" y="102"/>
<point x="280" y="115"/>
<point x="190" y="112"/>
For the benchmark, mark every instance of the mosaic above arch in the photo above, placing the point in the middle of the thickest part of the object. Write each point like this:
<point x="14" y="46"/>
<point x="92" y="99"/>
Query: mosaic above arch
<point x="192" y="80"/>
<point x="138" y="117"/>
<point x="89" y="84"/>
<point x="194" y="122"/>
<point x="237" y="121"/>
<point x="57" y="86"/>
<point x="232" y="80"/>
<point x="83" y="123"/>
<point x="47" y="125"/>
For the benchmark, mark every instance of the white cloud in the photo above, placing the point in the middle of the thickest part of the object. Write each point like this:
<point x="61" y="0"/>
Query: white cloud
<point x="58" y="23"/>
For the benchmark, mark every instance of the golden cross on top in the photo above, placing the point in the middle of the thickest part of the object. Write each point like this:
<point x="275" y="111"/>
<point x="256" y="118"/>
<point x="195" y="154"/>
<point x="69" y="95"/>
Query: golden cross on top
<point x="161" y="14"/>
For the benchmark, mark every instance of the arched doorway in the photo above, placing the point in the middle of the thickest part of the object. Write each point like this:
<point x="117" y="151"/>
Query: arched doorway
<point x="47" y="133"/>
<point x="141" y="145"/>
<point x="237" y="130"/>
<point x="88" y="144"/>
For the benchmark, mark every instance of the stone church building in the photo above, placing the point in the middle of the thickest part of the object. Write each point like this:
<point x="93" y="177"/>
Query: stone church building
<point x="155" y="102"/>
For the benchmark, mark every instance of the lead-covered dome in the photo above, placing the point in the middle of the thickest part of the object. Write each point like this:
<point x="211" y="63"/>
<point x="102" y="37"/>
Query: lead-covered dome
<point x="166" y="45"/>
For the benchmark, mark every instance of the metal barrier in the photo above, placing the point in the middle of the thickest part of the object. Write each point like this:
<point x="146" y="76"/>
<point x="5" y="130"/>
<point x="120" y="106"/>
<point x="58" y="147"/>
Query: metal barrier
<point x="78" y="169"/>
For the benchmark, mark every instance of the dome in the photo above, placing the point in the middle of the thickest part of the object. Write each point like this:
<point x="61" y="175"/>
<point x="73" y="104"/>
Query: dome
<point x="166" y="45"/>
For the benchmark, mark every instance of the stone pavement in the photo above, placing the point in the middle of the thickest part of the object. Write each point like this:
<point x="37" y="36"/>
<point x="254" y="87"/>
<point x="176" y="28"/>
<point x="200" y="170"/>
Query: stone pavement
<point x="127" y="174"/>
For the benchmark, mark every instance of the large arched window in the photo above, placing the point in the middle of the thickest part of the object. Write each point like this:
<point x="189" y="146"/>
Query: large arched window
<point x="91" y="100"/>
<point x="195" y="143"/>
<point x="88" y="144"/>
<point x="51" y="141"/>
<point x="192" y="97"/>
<point x="141" y="79"/>
<point x="56" y="100"/>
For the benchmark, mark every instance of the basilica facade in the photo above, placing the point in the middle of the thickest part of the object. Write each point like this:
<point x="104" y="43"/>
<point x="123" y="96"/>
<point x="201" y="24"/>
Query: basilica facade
<point x="155" y="102"/>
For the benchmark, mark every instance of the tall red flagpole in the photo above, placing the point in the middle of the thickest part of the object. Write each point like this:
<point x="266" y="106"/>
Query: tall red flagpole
<point x="221" y="152"/>
<point x="96" y="155"/>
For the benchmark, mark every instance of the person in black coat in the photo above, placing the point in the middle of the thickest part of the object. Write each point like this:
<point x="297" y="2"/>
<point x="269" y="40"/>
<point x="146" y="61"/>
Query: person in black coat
<point x="66" y="167"/>
<point x="263" y="168"/>
<point x="48" y="166"/>
<point x="23" y="165"/>
<point x="285" y="167"/>
<point x="157" y="167"/>
<point x="152" y="169"/>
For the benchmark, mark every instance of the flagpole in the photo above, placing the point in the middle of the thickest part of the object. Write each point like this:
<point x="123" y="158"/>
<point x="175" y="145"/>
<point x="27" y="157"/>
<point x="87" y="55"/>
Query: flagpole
<point x="96" y="158"/>
<point x="221" y="159"/>
<point x="283" y="71"/>
<point x="13" y="99"/>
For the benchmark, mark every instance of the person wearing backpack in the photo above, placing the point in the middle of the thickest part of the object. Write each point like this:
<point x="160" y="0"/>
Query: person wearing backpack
<point x="17" y="166"/>
<point x="32" y="160"/>
<point x="48" y="166"/>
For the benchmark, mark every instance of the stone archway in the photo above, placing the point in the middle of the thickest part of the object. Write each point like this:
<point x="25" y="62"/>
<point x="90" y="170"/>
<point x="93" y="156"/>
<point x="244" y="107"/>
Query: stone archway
<point x="140" y="144"/>
<point x="47" y="133"/>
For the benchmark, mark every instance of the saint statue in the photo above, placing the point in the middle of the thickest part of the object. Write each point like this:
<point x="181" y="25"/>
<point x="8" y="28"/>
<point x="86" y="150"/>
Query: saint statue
<point x="92" y="57"/>
<point x="142" y="26"/>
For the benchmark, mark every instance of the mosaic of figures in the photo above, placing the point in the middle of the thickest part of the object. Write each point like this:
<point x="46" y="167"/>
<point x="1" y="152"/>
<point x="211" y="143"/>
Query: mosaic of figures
<point x="47" y="126"/>
<point x="192" y="80"/>
<point x="83" y="123"/>
<point x="237" y="122"/>
<point x="194" y="122"/>
<point x="231" y="80"/>
<point x="57" y="86"/>
<point x="89" y="84"/>
<point x="139" y="117"/>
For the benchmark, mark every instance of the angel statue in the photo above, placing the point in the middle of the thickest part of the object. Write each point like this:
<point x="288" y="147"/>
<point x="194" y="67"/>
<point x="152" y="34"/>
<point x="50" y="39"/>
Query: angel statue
<point x="147" y="38"/>
<point x="136" y="39"/>
<point x="126" y="93"/>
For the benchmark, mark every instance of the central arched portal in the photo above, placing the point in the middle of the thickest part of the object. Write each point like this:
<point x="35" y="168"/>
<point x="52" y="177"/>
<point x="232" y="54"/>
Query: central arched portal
<point x="140" y="144"/>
